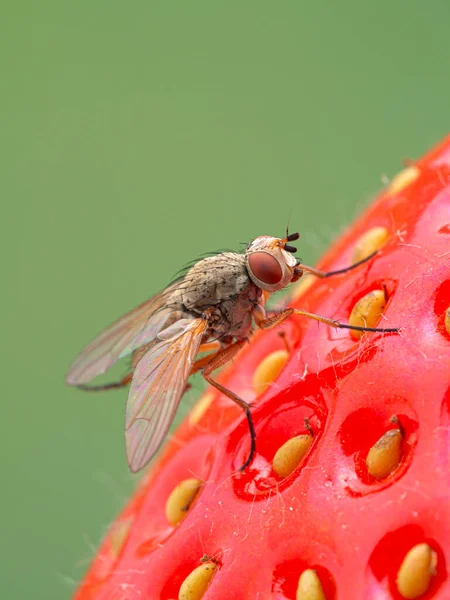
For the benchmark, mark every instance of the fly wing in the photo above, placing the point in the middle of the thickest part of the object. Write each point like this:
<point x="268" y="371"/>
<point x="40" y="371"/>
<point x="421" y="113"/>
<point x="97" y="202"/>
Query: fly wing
<point x="120" y="339"/>
<point x="158" y="384"/>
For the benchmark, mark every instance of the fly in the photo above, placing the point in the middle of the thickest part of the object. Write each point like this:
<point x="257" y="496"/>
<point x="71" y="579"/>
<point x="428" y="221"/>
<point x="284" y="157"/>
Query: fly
<point x="211" y="309"/>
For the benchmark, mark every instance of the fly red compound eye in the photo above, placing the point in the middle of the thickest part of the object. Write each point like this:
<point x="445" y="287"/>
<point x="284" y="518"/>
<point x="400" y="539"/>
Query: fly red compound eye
<point x="265" y="268"/>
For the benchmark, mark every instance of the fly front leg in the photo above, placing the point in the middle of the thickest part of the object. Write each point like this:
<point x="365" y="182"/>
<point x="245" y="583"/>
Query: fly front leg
<point x="215" y="361"/>
<point x="276" y="319"/>
<point x="325" y="274"/>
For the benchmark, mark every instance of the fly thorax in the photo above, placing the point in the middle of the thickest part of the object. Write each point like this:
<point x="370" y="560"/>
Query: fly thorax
<point x="214" y="280"/>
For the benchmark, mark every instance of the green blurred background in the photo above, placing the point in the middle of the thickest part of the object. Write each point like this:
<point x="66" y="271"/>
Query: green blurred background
<point x="137" y="135"/>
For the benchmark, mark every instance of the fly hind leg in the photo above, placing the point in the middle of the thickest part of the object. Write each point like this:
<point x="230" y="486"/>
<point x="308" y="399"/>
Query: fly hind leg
<point x="135" y="358"/>
<point x="216" y="361"/>
<point x="107" y="386"/>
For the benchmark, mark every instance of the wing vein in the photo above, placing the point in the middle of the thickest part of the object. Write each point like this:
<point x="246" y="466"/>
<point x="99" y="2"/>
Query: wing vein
<point x="158" y="384"/>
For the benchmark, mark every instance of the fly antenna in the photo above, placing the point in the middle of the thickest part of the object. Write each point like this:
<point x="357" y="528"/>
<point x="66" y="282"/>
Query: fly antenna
<point x="290" y="237"/>
<point x="288" y="223"/>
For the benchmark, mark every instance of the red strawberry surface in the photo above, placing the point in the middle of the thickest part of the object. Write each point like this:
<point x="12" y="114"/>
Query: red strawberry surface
<point x="332" y="516"/>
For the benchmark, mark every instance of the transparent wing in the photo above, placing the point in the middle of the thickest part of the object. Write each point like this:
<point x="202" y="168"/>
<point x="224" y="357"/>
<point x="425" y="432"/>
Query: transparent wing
<point x="159" y="381"/>
<point x="120" y="339"/>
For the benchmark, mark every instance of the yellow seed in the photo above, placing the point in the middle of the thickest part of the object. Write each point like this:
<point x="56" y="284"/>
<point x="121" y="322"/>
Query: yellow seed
<point x="370" y="241"/>
<point x="180" y="500"/>
<point x="367" y="311"/>
<point x="403" y="179"/>
<point x="385" y="454"/>
<point x="290" y="454"/>
<point x="447" y="320"/>
<point x="303" y="286"/>
<point x="199" y="409"/>
<point x="197" y="582"/>
<point x="309" y="586"/>
<point x="268" y="370"/>
<point x="416" y="571"/>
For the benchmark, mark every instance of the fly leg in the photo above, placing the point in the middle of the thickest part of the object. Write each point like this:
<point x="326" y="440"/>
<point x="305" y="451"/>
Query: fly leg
<point x="208" y="346"/>
<point x="204" y="360"/>
<point x="201" y="362"/>
<point x="137" y="355"/>
<point x="107" y="386"/>
<point x="274" y="320"/>
<point x="208" y="366"/>
<point x="264" y="322"/>
<point x="325" y="274"/>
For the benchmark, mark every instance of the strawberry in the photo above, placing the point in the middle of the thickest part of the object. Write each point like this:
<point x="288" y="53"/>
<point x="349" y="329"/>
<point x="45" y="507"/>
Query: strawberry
<point x="348" y="494"/>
